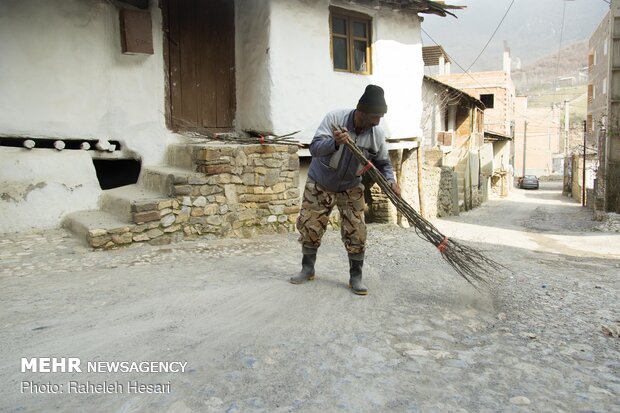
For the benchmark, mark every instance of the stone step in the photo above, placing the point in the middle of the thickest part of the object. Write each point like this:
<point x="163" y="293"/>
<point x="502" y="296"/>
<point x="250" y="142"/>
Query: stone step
<point x="180" y="155"/>
<point x="132" y="203"/>
<point x="186" y="154"/>
<point x="98" y="228"/>
<point x="168" y="180"/>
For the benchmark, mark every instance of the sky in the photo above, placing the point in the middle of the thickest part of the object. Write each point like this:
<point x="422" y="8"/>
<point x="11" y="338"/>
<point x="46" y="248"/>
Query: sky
<point x="531" y="29"/>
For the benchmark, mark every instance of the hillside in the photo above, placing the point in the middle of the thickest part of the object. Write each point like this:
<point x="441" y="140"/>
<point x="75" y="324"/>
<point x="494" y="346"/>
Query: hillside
<point x="569" y="70"/>
<point x="532" y="29"/>
<point x="548" y="82"/>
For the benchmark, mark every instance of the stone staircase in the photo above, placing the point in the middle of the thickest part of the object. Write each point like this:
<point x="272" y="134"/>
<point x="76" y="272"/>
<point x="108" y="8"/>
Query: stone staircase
<point x="215" y="189"/>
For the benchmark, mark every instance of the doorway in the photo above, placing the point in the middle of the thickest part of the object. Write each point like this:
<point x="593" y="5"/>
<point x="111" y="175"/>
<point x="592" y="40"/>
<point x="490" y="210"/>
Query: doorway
<point x="200" y="56"/>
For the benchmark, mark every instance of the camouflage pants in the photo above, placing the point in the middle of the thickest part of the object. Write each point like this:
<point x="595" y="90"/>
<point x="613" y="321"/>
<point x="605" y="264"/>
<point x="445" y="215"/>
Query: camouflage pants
<point x="316" y="207"/>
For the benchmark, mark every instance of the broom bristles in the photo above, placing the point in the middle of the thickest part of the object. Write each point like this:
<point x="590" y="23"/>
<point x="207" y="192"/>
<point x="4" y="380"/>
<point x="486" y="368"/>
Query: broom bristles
<point x="468" y="262"/>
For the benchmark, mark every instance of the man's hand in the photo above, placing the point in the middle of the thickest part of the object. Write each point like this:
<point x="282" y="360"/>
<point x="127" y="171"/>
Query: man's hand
<point x="396" y="188"/>
<point x="341" y="137"/>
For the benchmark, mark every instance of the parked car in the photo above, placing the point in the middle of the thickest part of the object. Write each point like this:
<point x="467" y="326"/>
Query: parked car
<point x="528" y="182"/>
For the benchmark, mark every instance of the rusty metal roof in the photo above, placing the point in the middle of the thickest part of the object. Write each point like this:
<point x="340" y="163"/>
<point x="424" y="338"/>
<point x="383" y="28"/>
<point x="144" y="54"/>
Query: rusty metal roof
<point x="418" y="6"/>
<point x="460" y="92"/>
<point x="431" y="55"/>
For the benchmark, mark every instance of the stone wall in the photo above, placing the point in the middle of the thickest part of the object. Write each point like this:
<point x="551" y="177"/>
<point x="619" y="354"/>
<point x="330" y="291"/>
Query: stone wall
<point x="438" y="189"/>
<point x="378" y="206"/>
<point x="447" y="201"/>
<point x="242" y="190"/>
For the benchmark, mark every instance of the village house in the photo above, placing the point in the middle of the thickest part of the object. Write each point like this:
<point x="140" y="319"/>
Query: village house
<point x="105" y="106"/>
<point x="476" y="150"/>
<point x="452" y="122"/>
<point x="496" y="90"/>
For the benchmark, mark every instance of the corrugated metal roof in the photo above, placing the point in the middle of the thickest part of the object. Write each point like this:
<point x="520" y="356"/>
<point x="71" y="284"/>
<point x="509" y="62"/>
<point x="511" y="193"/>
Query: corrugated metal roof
<point x="495" y="136"/>
<point x="418" y="6"/>
<point x="466" y="95"/>
<point x="431" y="55"/>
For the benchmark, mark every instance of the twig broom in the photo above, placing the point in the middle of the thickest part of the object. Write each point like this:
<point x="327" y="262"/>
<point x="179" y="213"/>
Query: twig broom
<point x="468" y="262"/>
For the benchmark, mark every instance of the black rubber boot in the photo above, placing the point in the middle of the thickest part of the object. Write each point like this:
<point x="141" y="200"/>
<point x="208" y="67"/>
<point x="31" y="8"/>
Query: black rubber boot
<point x="307" y="267"/>
<point x="355" y="280"/>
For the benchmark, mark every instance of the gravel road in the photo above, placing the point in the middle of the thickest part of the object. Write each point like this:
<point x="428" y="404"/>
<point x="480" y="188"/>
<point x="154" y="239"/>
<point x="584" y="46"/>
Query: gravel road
<point x="542" y="339"/>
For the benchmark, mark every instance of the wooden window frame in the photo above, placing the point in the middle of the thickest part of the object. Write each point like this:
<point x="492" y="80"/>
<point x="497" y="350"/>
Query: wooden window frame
<point x="351" y="17"/>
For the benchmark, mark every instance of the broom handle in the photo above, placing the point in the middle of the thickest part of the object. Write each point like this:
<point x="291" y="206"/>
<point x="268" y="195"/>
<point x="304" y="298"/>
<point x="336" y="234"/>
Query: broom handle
<point x="382" y="182"/>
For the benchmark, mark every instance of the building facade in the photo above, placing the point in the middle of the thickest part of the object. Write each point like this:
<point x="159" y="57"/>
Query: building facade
<point x="603" y="116"/>
<point x="125" y="81"/>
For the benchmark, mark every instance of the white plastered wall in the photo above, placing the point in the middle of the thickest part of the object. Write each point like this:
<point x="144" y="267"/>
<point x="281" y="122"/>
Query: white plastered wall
<point x="64" y="76"/>
<point x="35" y="192"/>
<point x="254" y="80"/>
<point x="304" y="85"/>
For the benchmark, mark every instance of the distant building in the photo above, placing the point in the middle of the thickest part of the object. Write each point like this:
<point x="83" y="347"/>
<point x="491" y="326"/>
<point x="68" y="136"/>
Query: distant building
<point x="436" y="60"/>
<point x="603" y="114"/>
<point x="541" y="142"/>
<point x="496" y="90"/>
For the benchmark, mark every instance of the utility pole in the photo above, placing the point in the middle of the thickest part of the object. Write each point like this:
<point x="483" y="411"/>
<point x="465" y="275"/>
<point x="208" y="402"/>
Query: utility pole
<point x="583" y="175"/>
<point x="566" y="127"/>
<point x="524" y="146"/>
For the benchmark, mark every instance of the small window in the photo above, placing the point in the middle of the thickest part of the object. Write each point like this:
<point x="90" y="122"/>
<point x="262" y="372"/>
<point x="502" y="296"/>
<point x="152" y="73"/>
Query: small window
<point x="488" y="100"/>
<point x="350" y="35"/>
<point x="616" y="32"/>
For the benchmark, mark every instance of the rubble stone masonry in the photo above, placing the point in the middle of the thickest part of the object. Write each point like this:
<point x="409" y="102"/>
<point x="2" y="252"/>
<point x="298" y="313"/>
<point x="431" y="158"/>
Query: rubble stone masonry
<point x="439" y="186"/>
<point x="241" y="191"/>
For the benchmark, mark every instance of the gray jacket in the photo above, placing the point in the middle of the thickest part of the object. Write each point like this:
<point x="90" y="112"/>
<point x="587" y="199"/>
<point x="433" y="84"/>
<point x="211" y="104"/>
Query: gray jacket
<point x="336" y="168"/>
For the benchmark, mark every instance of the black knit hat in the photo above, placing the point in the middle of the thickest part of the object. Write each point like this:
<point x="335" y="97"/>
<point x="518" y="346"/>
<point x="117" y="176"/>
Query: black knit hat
<point x="372" y="101"/>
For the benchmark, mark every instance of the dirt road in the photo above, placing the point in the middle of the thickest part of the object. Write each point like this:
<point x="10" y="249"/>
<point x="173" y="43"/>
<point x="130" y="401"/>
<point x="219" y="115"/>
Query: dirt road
<point x="423" y="340"/>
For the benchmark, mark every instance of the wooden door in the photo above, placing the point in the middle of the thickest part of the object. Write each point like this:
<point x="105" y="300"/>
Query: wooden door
<point x="201" y="64"/>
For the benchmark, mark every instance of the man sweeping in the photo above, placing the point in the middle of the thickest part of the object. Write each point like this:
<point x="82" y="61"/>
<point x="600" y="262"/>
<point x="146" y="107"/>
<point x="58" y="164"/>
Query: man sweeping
<point x="335" y="179"/>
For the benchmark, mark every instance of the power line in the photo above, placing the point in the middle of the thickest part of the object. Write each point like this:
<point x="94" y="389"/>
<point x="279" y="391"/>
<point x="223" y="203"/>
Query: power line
<point x="485" y="88"/>
<point x="557" y="65"/>
<point x="492" y="35"/>
<point x="466" y="71"/>
<point x="450" y="57"/>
